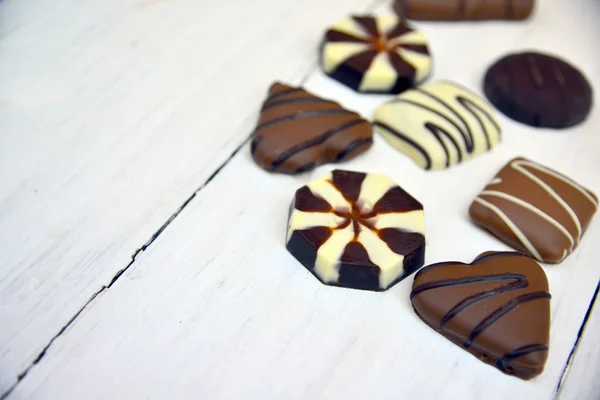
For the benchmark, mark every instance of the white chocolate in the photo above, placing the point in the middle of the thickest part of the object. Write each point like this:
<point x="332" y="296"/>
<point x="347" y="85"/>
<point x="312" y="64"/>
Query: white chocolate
<point x="438" y="125"/>
<point x="381" y="76"/>
<point x="345" y="227"/>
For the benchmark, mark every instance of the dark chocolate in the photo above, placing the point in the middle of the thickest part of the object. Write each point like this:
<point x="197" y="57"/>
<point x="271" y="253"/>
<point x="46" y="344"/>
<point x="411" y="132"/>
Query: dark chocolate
<point x="539" y="90"/>
<point x="375" y="54"/>
<point x="357" y="230"/>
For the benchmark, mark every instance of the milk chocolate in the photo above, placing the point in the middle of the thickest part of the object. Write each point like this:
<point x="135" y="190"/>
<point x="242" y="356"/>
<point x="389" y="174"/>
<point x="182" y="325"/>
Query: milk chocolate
<point x="297" y="131"/>
<point x="438" y="124"/>
<point x="535" y="210"/>
<point x="356" y="230"/>
<point x="464" y="10"/>
<point x="539" y="90"/>
<point x="375" y="54"/>
<point x="497" y="308"/>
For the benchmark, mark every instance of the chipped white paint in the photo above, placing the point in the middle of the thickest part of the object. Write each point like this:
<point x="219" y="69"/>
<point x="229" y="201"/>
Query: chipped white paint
<point x="113" y="112"/>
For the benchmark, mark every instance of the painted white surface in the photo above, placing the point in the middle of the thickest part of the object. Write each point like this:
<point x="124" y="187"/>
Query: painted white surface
<point x="112" y="112"/>
<point x="581" y="379"/>
<point x="216" y="307"/>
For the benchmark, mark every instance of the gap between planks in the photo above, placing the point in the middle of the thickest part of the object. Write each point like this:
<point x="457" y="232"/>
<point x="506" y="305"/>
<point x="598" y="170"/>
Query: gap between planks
<point x="373" y="5"/>
<point x="137" y="252"/>
<point x="576" y="344"/>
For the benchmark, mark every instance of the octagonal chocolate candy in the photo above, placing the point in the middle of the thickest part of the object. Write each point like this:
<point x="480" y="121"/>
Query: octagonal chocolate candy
<point x="357" y="230"/>
<point x="376" y="54"/>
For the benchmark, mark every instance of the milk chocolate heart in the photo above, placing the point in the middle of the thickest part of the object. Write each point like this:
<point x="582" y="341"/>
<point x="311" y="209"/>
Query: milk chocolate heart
<point x="298" y="131"/>
<point x="497" y="308"/>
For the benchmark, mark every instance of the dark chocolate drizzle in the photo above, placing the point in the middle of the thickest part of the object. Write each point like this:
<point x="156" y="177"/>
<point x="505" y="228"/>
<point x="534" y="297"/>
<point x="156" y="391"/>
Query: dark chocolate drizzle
<point x="438" y="132"/>
<point x="493" y="254"/>
<point x="519" y="282"/>
<point x="406" y="139"/>
<point x="462" y="8"/>
<point x="505" y="309"/>
<point x="304" y="168"/>
<point x="313" y="99"/>
<point x="466" y="133"/>
<point x="466" y="103"/>
<point x="466" y="280"/>
<point x="302" y="115"/>
<point x="282" y="93"/>
<point x="509" y="7"/>
<point x="504" y="362"/>
<point x="316" y="141"/>
<point x="353" y="146"/>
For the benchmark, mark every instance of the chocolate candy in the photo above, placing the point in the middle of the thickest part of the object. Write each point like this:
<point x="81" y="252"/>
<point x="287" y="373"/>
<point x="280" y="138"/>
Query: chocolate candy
<point x="298" y="131"/>
<point x="375" y="54"/>
<point x="464" y="10"/>
<point x="356" y="230"/>
<point x="497" y="308"/>
<point x="538" y="90"/>
<point x="535" y="210"/>
<point x="438" y="124"/>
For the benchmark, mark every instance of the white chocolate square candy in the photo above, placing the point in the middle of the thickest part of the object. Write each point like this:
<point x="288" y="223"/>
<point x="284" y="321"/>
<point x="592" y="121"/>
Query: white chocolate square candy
<point x="438" y="124"/>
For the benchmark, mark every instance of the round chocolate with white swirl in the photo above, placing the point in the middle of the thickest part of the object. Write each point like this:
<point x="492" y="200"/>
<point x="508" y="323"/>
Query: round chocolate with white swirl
<point x="497" y="308"/>
<point x="357" y="230"/>
<point x="539" y="90"/>
<point x="438" y="124"/>
<point x="375" y="54"/>
<point x="298" y="131"/>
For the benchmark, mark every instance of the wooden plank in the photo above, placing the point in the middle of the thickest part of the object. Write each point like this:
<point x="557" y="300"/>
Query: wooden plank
<point x="581" y="378"/>
<point x="216" y="307"/>
<point x="112" y="113"/>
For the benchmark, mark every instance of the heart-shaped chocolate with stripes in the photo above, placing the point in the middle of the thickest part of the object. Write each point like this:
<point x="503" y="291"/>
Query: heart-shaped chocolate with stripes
<point x="497" y="308"/>
<point x="298" y="131"/>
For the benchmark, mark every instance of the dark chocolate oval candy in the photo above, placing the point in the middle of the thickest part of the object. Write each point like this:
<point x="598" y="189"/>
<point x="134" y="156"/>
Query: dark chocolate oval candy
<point x="538" y="90"/>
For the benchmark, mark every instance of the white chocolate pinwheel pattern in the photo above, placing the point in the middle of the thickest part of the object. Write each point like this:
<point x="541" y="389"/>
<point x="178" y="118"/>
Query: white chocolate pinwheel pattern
<point x="376" y="54"/>
<point x="356" y="230"/>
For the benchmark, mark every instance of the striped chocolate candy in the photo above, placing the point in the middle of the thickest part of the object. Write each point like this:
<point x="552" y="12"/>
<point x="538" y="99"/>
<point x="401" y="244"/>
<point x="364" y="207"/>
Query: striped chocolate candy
<point x="376" y="54"/>
<point x="438" y="124"/>
<point x="497" y="308"/>
<point x="535" y="209"/>
<point x="357" y="230"/>
<point x="464" y="10"/>
<point x="298" y="131"/>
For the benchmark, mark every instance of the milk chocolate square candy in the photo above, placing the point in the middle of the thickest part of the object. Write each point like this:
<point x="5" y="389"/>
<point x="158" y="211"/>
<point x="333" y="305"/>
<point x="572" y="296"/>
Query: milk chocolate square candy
<point x="535" y="210"/>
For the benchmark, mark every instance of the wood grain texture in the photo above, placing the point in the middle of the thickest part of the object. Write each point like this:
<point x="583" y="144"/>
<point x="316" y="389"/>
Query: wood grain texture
<point x="581" y="378"/>
<point x="216" y="307"/>
<point x="112" y="113"/>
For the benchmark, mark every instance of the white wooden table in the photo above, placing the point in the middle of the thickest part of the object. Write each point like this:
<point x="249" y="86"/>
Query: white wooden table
<point x="142" y="254"/>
